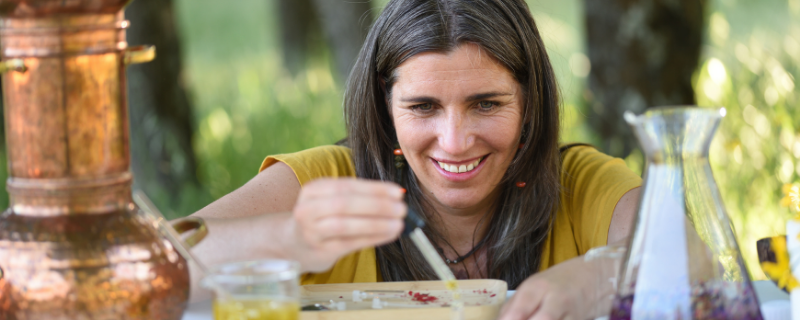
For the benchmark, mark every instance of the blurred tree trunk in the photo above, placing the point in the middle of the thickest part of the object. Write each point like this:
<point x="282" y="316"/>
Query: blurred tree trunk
<point x="643" y="54"/>
<point x="299" y="26"/>
<point x="2" y="121"/>
<point x="343" y="23"/>
<point x="3" y="154"/>
<point x="162" y="157"/>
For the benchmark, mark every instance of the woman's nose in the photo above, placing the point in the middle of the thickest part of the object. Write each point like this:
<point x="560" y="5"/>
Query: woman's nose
<point x="455" y="134"/>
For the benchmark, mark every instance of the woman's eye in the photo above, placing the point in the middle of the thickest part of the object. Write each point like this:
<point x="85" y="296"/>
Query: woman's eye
<point x="424" y="106"/>
<point x="486" y="105"/>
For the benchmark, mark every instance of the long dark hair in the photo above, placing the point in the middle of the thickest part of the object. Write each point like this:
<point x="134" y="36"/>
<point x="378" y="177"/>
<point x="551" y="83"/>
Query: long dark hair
<point x="505" y="29"/>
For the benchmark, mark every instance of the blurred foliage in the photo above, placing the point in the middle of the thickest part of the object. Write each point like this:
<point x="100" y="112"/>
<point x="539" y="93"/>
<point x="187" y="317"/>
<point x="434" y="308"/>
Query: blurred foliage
<point x="247" y="106"/>
<point x="752" y="68"/>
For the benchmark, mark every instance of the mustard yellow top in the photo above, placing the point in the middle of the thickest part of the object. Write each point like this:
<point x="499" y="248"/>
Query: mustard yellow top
<point x="592" y="184"/>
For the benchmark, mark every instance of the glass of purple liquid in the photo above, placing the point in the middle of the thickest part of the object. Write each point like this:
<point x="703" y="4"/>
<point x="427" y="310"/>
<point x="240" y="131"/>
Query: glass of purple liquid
<point x="706" y="301"/>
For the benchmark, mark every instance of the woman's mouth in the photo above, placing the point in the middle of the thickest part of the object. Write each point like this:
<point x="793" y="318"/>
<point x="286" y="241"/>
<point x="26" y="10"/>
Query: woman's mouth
<point x="460" y="168"/>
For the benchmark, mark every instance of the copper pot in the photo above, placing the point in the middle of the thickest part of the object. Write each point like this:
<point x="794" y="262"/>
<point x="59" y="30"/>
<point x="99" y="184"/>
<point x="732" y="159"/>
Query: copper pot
<point x="72" y="243"/>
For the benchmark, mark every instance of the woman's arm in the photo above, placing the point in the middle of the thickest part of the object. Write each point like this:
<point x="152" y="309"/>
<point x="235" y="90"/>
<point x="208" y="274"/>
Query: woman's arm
<point x="273" y="190"/>
<point x="623" y="217"/>
<point x="574" y="289"/>
<point x="272" y="217"/>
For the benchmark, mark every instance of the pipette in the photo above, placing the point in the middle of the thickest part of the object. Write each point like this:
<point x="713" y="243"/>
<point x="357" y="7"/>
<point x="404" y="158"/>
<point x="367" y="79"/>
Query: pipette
<point x="413" y="229"/>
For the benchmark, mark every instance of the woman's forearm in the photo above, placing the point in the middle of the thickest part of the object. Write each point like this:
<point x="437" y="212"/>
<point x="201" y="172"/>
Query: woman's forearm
<point x="239" y="239"/>
<point x="332" y="218"/>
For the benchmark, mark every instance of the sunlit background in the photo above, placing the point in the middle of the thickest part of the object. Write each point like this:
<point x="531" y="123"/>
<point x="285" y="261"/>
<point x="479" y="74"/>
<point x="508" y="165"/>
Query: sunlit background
<point x="248" y="106"/>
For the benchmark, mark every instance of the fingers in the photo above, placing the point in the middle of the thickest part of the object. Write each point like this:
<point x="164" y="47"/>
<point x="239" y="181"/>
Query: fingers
<point x="335" y="217"/>
<point x="537" y="299"/>
<point x="551" y="309"/>
<point x="544" y="308"/>
<point x="522" y="305"/>
<point x="340" y="235"/>
<point x="353" y="244"/>
<point x="346" y="187"/>
<point x="351" y="205"/>
<point x="348" y="228"/>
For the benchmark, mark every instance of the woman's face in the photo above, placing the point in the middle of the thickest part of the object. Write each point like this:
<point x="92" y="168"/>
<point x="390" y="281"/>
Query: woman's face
<point x="458" y="118"/>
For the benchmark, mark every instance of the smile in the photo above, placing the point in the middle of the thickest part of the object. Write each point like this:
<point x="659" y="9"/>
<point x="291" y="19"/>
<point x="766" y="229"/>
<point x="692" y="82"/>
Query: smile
<point x="455" y="168"/>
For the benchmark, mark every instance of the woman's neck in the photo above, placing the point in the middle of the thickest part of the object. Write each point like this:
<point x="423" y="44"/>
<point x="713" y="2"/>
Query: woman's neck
<point x="463" y="228"/>
<point x="463" y="231"/>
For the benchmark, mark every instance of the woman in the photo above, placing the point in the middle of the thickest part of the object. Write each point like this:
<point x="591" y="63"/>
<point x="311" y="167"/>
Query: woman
<point x="459" y="95"/>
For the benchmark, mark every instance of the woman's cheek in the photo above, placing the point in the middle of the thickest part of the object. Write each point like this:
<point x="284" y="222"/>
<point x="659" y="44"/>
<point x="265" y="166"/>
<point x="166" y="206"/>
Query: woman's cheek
<point x="502" y="134"/>
<point x="416" y="127"/>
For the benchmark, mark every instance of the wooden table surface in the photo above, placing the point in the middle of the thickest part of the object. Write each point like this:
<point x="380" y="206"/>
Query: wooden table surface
<point x="770" y="297"/>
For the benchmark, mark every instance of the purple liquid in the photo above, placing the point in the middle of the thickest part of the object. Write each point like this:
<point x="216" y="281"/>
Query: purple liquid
<point x="709" y="301"/>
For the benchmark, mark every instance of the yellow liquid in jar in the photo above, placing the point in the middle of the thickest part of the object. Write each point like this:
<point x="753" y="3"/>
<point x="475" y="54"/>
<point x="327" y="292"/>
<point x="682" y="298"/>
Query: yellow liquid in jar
<point x="255" y="309"/>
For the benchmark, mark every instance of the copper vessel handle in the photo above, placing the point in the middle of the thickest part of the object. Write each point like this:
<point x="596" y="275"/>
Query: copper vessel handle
<point x="12" y="65"/>
<point x="140" y="54"/>
<point x="189" y="224"/>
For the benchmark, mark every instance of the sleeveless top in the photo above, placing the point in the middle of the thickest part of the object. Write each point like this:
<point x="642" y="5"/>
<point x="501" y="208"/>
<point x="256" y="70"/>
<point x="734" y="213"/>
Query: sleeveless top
<point x="592" y="183"/>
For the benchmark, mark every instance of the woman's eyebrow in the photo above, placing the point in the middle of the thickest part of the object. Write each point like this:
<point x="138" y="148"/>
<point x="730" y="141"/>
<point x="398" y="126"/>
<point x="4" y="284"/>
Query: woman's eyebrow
<point x="422" y="99"/>
<point x="486" y="95"/>
<point x="474" y="97"/>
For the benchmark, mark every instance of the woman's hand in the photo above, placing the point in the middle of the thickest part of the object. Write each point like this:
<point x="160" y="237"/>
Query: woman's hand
<point x="334" y="217"/>
<point x="576" y="289"/>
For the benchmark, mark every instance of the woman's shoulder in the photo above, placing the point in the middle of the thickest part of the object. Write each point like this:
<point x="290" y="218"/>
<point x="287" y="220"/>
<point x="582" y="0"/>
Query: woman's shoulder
<point x="580" y="160"/>
<point x="589" y="173"/>
<point x="318" y="162"/>
<point x="592" y="183"/>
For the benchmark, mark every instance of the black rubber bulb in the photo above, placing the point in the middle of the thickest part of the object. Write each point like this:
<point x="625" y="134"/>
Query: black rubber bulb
<point x="412" y="221"/>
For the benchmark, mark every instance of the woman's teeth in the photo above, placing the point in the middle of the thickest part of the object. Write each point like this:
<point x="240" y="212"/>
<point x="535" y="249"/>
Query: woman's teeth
<point x="458" y="169"/>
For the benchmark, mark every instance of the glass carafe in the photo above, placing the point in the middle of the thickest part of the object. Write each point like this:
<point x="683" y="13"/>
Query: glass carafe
<point x="683" y="261"/>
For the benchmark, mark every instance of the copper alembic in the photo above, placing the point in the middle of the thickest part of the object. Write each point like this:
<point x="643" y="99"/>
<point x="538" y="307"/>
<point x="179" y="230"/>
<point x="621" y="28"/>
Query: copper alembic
<point x="72" y="243"/>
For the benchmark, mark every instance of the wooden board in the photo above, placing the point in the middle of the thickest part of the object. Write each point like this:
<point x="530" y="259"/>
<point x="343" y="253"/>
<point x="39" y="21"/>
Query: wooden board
<point x="483" y="299"/>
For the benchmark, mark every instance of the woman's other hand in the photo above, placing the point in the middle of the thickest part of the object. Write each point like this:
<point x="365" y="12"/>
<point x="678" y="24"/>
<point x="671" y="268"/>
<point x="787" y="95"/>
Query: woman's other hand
<point x="576" y="289"/>
<point x="334" y="217"/>
<point x="579" y="288"/>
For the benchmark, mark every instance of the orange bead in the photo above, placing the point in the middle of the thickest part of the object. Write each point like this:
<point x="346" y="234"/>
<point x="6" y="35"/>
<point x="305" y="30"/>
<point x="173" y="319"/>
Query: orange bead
<point x="398" y="152"/>
<point x="403" y="189"/>
<point x="521" y="184"/>
<point x="521" y="145"/>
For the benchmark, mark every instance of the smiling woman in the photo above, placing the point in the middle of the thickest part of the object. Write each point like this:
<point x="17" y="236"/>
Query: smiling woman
<point x="425" y="73"/>
<point x="466" y="90"/>
<point x="456" y="110"/>
<point x="451" y="111"/>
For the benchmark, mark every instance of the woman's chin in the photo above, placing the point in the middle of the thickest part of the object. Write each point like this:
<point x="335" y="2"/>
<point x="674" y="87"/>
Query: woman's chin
<point x="460" y="200"/>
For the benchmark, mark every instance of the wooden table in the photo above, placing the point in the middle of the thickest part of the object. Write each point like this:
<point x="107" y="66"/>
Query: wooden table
<point x="768" y="294"/>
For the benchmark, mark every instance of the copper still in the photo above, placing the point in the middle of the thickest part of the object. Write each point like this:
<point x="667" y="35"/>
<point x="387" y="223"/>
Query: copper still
<point x="72" y="243"/>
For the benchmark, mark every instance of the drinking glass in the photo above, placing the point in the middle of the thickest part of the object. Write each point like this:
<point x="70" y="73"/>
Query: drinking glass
<point x="255" y="290"/>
